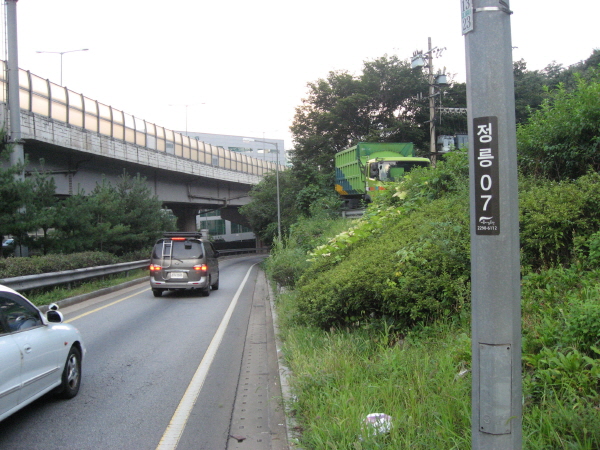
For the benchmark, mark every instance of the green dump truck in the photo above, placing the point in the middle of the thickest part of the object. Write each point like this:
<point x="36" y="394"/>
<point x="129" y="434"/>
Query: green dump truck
<point x="363" y="170"/>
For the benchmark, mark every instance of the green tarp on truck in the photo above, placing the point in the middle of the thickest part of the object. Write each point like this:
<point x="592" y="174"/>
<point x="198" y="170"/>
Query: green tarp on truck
<point x="364" y="169"/>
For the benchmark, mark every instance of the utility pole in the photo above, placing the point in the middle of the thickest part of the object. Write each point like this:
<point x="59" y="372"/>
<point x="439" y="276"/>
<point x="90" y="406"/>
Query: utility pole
<point x="17" y="156"/>
<point x="495" y="270"/>
<point x="432" y="81"/>
<point x="432" y="148"/>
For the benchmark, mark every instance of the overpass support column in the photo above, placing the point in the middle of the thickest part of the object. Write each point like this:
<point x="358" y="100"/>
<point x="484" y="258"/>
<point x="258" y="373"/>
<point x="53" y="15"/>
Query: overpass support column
<point x="186" y="217"/>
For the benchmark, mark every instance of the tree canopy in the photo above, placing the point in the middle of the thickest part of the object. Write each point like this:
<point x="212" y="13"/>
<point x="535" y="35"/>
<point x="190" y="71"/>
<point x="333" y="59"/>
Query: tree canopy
<point x="561" y="139"/>
<point x="120" y="218"/>
<point x="387" y="102"/>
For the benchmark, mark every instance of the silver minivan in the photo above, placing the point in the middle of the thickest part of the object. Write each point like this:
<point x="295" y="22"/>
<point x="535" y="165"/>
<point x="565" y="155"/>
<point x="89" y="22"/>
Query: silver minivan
<point x="183" y="260"/>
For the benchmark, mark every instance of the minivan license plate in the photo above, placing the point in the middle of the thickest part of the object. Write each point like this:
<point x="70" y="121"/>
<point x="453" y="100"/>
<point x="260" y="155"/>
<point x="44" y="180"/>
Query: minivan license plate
<point x="176" y="274"/>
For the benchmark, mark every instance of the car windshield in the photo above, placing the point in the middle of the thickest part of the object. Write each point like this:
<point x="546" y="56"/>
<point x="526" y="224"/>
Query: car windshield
<point x="189" y="249"/>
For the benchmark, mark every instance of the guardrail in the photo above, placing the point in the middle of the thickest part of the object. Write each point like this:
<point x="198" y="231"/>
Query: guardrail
<point x="68" y="276"/>
<point x="44" y="280"/>
<point x="230" y="252"/>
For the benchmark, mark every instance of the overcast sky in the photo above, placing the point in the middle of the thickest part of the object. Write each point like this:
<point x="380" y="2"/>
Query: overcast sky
<point x="242" y="66"/>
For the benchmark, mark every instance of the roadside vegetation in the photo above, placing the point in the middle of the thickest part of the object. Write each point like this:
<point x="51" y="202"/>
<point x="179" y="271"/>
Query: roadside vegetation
<point x="375" y="313"/>
<point x="119" y="219"/>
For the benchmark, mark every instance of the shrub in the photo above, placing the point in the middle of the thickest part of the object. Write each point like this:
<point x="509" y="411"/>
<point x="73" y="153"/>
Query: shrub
<point x="583" y="326"/>
<point x="560" y="140"/>
<point x="289" y="259"/>
<point x="285" y="265"/>
<point x="16" y="267"/>
<point x="415" y="272"/>
<point x="558" y="219"/>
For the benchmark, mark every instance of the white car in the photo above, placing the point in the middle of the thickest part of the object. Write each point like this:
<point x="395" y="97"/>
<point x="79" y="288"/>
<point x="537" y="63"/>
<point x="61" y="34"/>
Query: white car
<point x="38" y="353"/>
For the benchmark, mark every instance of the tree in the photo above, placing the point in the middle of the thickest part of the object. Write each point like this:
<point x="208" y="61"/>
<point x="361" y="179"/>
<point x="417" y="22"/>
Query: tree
<point x="107" y="209"/>
<point x="530" y="88"/>
<point x="386" y="103"/>
<point x="119" y="218"/>
<point x="533" y="87"/>
<point x="75" y="225"/>
<point x="13" y="191"/>
<point x="141" y="213"/>
<point x="41" y="211"/>
<point x="561" y="140"/>
<point x="261" y="212"/>
<point x="304" y="192"/>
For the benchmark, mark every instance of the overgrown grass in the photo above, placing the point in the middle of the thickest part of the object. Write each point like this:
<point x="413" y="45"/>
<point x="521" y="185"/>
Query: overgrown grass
<point x="62" y="292"/>
<point x="422" y="379"/>
<point x="341" y="376"/>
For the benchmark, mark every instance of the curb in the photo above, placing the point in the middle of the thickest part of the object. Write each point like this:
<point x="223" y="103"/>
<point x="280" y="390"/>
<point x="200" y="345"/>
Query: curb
<point x="285" y="375"/>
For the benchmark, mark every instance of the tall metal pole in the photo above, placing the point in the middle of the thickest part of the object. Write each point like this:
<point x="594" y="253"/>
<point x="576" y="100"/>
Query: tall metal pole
<point x="17" y="156"/>
<point x="278" y="201"/>
<point x="431" y="106"/>
<point x="495" y="281"/>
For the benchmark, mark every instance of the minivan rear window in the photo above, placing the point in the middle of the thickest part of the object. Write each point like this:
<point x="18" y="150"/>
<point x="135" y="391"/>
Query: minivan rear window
<point x="181" y="249"/>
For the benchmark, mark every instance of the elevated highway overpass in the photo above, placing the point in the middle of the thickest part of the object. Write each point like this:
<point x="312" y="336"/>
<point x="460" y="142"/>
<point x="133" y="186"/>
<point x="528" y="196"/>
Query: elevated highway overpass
<point x="80" y="142"/>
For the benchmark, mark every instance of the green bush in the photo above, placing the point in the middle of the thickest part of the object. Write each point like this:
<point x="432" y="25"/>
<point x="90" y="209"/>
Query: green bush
<point x="583" y="326"/>
<point x="417" y="271"/>
<point x="558" y="219"/>
<point x="289" y="259"/>
<point x="560" y="140"/>
<point x="285" y="265"/>
<point x="16" y="267"/>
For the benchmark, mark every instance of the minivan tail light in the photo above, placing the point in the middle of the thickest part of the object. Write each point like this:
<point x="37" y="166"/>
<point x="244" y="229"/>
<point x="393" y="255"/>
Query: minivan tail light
<point x="201" y="267"/>
<point x="154" y="267"/>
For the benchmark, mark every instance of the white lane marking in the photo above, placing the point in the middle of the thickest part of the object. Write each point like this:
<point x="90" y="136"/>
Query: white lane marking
<point x="174" y="430"/>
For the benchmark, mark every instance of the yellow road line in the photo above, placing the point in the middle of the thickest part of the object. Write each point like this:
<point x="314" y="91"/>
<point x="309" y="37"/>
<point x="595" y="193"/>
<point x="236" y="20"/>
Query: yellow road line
<point x="105" y="306"/>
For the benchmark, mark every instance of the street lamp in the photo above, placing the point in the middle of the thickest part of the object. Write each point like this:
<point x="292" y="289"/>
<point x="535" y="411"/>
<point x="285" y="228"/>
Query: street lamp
<point x="418" y="60"/>
<point x="61" y="59"/>
<point x="186" y="113"/>
<point x="276" y="176"/>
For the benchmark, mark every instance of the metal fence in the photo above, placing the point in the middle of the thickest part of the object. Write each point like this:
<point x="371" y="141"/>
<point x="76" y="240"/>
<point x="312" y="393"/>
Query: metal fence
<point x="45" y="98"/>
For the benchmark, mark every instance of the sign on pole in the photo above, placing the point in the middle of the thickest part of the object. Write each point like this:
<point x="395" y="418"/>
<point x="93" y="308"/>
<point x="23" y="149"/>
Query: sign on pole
<point x="496" y="420"/>
<point x="467" y="15"/>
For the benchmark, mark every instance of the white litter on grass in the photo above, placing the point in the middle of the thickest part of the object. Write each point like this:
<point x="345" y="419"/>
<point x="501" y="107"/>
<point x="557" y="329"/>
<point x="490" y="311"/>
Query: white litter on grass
<point x="378" y="423"/>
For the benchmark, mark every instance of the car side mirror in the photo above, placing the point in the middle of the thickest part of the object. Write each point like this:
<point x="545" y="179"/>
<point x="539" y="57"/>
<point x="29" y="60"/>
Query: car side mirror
<point x="54" y="316"/>
<point x="217" y="254"/>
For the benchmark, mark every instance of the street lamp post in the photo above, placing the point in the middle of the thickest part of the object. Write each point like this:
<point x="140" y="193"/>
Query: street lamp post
<point x="61" y="59"/>
<point x="186" y="113"/>
<point x="276" y="176"/>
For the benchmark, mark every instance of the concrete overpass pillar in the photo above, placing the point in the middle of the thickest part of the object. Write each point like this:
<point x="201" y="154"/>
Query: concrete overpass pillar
<point x="186" y="217"/>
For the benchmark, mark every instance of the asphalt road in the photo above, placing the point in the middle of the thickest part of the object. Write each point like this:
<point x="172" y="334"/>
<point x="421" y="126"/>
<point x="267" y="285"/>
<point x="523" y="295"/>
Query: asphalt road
<point x="146" y="359"/>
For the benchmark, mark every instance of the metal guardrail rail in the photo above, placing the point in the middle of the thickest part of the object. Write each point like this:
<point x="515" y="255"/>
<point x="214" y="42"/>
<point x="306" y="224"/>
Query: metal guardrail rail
<point x="232" y="252"/>
<point x="68" y="276"/>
